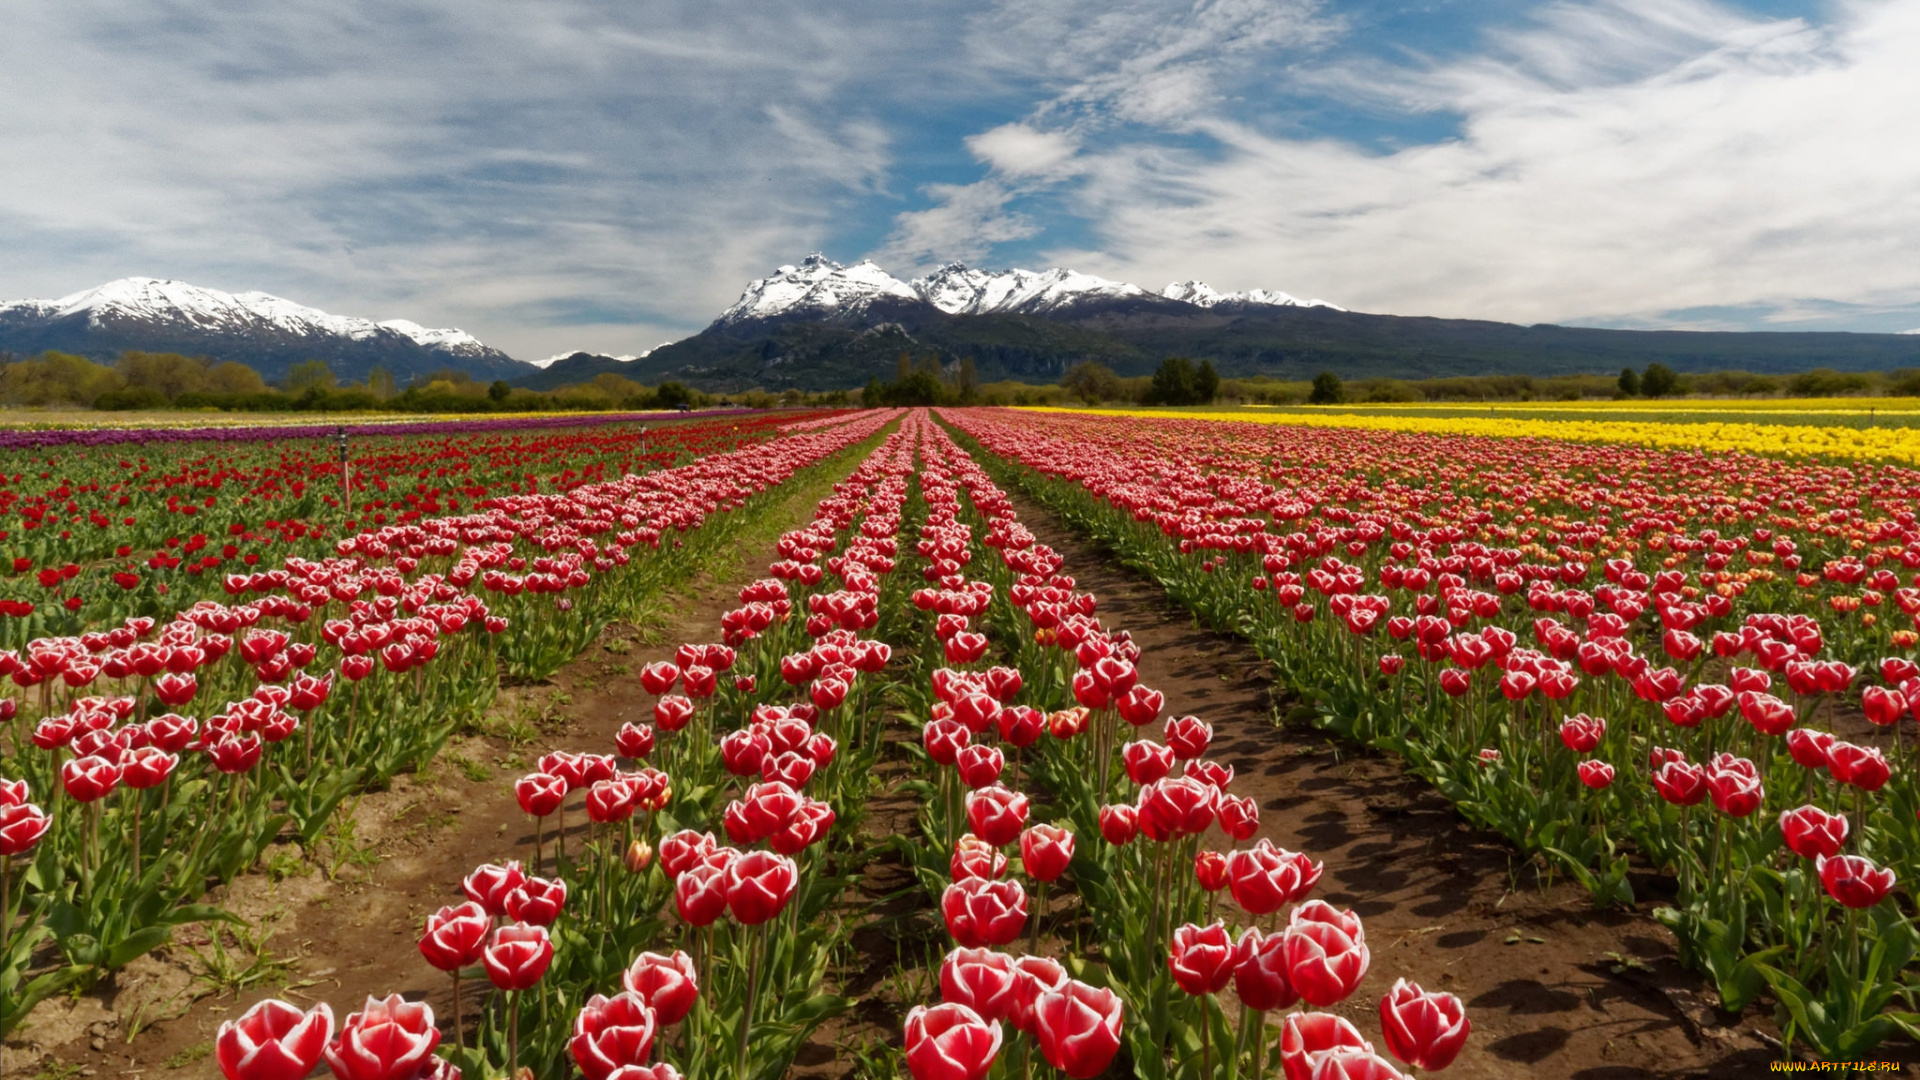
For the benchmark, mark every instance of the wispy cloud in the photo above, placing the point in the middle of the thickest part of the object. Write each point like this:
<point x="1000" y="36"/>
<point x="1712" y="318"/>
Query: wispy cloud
<point x="484" y="162"/>
<point x="1615" y="160"/>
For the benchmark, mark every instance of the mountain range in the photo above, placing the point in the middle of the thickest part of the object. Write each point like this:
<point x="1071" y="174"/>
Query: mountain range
<point x="821" y="325"/>
<point x="263" y="331"/>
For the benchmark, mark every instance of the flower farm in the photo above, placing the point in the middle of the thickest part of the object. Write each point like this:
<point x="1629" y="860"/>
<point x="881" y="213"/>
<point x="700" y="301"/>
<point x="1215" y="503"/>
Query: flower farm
<point x="953" y="744"/>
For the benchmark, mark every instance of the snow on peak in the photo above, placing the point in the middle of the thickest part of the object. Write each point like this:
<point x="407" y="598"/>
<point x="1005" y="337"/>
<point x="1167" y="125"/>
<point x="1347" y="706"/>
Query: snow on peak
<point x="1201" y="294"/>
<point x="960" y="290"/>
<point x="177" y="303"/>
<point x="625" y="358"/>
<point x="819" y="285"/>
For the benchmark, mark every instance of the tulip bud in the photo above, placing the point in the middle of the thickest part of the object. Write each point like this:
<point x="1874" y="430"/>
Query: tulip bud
<point x="639" y="857"/>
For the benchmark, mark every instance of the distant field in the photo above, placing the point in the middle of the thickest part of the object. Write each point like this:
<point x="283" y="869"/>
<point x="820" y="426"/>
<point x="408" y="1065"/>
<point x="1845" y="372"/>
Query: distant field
<point x="1882" y="429"/>
<point x="1813" y="412"/>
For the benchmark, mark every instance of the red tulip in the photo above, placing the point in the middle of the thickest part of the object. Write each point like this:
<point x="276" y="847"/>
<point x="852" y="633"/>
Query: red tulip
<point x="489" y="885"/>
<point x="390" y="1039"/>
<point x="672" y="712"/>
<point x="1211" y="773"/>
<point x="1681" y="783"/>
<point x="1260" y="977"/>
<point x="1034" y="976"/>
<point x="700" y="894"/>
<point x="1146" y="761"/>
<point x="950" y="1042"/>
<point x="1863" y="767"/>
<point x="996" y="814"/>
<point x="666" y="983"/>
<point x="810" y="822"/>
<point x="1809" y="747"/>
<point x="1344" y="1063"/>
<point x="89" y="778"/>
<point x="1239" y="816"/>
<point x="1581" y="733"/>
<point x="1306" y="1038"/>
<point x="1140" y="706"/>
<point x="147" y="767"/>
<point x="1202" y="958"/>
<point x="981" y="979"/>
<point x="518" y="956"/>
<point x="1176" y="807"/>
<point x="1045" y="851"/>
<point x="1853" y="880"/>
<point x="1596" y="774"/>
<point x="1812" y="833"/>
<point x="1021" y="725"/>
<point x="944" y="739"/>
<point x="1119" y="824"/>
<point x="455" y="936"/>
<point x="1425" y="1030"/>
<point x="979" y="765"/>
<point x="634" y="740"/>
<point x="659" y="678"/>
<point x="1189" y="737"/>
<point x="679" y="851"/>
<point x="980" y="912"/>
<point x="537" y="901"/>
<point x="540" y="794"/>
<point x="1883" y="706"/>
<point x="611" y="1033"/>
<point x="759" y="884"/>
<point x="235" y="753"/>
<point x="1263" y="878"/>
<point x="975" y="858"/>
<point x="1735" y="792"/>
<point x="1326" y="952"/>
<point x="1078" y="1029"/>
<point x="21" y="827"/>
<point x="273" y="1041"/>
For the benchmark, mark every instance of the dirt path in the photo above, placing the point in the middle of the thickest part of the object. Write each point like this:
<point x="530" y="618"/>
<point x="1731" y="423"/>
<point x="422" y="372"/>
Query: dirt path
<point x="1554" y="989"/>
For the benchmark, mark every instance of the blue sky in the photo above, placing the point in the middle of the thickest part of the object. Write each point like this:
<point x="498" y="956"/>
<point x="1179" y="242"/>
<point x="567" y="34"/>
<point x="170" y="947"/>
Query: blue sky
<point x="558" y="174"/>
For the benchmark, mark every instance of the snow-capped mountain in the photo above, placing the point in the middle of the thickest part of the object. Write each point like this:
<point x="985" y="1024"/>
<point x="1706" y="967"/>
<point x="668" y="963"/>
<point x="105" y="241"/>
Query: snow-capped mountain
<point x="822" y="288"/>
<point x="958" y="289"/>
<point x="625" y="358"/>
<point x="1201" y="294"/>
<point x="817" y="286"/>
<point x="265" y="331"/>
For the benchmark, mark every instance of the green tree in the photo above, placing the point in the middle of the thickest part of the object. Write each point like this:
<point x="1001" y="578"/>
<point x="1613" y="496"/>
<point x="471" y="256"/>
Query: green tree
<point x="1629" y="382"/>
<point x="499" y="390"/>
<point x="1206" y="384"/>
<point x="1173" y="382"/>
<point x="967" y="382"/>
<point x="380" y="382"/>
<point x="1093" y="382"/>
<point x="228" y="377"/>
<point x="1659" y="381"/>
<point x="672" y="395"/>
<point x="308" y="373"/>
<point x="55" y="378"/>
<point x="1327" y="390"/>
<point x="167" y="375"/>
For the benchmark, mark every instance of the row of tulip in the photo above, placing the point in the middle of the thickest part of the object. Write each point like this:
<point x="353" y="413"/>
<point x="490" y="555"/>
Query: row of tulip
<point x="145" y="806"/>
<point x="726" y="939"/>
<point x="91" y="534"/>
<point x="1076" y="680"/>
<point x="1397" y="607"/>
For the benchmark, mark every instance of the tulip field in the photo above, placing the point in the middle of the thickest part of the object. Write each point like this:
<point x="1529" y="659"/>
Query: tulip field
<point x="1676" y="675"/>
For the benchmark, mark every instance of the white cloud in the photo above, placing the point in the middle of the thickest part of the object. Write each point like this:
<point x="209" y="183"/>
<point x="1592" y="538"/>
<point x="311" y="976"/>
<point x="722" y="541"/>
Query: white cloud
<point x="1022" y="151"/>
<point x="517" y="169"/>
<point x="1617" y="159"/>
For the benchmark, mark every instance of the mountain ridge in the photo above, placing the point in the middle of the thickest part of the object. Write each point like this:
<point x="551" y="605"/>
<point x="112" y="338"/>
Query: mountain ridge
<point x="264" y="331"/>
